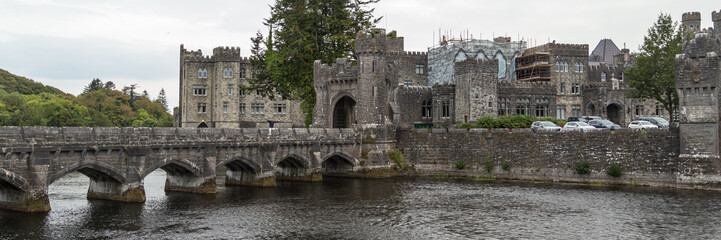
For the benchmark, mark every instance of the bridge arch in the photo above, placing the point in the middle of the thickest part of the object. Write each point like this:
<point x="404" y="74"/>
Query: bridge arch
<point x="11" y="180"/>
<point x="338" y="162"/>
<point x="240" y="163"/>
<point x="95" y="171"/>
<point x="174" y="167"/>
<point x="292" y="165"/>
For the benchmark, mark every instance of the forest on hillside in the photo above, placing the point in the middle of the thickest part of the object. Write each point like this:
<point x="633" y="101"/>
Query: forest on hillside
<point x="24" y="102"/>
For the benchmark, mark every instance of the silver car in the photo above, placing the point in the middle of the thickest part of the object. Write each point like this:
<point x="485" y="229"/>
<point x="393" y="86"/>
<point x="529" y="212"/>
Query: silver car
<point x="544" y="126"/>
<point x="639" y="124"/>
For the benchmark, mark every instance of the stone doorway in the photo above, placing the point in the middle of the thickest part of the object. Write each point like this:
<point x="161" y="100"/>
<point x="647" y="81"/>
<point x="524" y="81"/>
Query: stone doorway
<point x="344" y="113"/>
<point x="613" y="112"/>
<point x="590" y="110"/>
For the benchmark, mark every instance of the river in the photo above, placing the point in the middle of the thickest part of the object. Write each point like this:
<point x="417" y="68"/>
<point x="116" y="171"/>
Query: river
<point x="396" y="208"/>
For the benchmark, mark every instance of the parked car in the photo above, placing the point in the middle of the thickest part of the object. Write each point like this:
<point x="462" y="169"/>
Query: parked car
<point x="640" y="124"/>
<point x="578" y="126"/>
<point x="576" y="119"/>
<point x="589" y="118"/>
<point x="604" y="124"/>
<point x="544" y="126"/>
<point x="660" y="122"/>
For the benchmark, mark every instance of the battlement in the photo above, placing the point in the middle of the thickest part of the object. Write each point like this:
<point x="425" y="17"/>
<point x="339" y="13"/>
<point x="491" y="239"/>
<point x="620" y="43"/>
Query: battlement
<point x="343" y="70"/>
<point x="377" y="41"/>
<point x="415" y="89"/>
<point x="226" y="53"/>
<point x="691" y="16"/>
<point x="716" y="16"/>
<point x="560" y="49"/>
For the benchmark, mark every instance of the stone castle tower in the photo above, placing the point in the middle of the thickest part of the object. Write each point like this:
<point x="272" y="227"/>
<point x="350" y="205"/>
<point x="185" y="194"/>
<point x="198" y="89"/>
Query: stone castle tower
<point x="211" y="93"/>
<point x="698" y="79"/>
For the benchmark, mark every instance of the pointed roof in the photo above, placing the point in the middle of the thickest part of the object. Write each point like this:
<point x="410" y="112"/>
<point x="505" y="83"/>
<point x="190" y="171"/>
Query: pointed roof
<point x="604" y="52"/>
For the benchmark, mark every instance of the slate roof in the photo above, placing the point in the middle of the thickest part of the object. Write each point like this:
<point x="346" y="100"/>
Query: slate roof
<point x="604" y="52"/>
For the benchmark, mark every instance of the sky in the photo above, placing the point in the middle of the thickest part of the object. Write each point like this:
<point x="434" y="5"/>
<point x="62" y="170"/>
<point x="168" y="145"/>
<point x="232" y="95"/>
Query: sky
<point x="67" y="43"/>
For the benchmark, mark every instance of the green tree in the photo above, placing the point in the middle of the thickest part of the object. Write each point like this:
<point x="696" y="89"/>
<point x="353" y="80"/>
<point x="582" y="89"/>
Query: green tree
<point x="95" y="84"/>
<point x="652" y="76"/>
<point x="302" y="31"/>
<point x="162" y="99"/>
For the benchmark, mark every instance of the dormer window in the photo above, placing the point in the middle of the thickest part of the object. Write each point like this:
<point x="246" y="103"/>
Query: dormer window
<point x="202" y="73"/>
<point x="227" y="72"/>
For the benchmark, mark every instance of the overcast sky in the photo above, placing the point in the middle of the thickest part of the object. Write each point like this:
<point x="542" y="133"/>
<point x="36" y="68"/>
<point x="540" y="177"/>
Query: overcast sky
<point x="68" y="43"/>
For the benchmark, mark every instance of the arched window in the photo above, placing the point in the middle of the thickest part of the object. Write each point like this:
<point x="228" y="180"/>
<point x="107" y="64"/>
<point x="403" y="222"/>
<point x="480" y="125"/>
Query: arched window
<point x="202" y="73"/>
<point x="501" y="65"/>
<point x="603" y="76"/>
<point x="227" y="72"/>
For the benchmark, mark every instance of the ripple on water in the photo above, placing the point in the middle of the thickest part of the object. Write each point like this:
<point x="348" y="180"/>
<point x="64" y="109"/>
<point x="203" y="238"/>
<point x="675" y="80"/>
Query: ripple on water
<point x="374" y="209"/>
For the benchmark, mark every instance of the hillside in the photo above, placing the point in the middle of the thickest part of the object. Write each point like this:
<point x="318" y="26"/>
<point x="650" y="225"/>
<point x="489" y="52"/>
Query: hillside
<point x="12" y="83"/>
<point x="24" y="102"/>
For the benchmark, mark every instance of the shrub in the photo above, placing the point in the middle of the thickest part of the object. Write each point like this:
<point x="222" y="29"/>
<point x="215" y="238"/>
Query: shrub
<point x="460" y="164"/>
<point x="466" y="125"/>
<point x="488" y="165"/>
<point x="583" y="167"/>
<point x="615" y="170"/>
<point x="506" y="166"/>
<point x="396" y="157"/>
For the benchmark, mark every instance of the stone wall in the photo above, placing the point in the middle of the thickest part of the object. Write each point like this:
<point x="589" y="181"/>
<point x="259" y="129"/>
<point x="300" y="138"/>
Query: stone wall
<point x="649" y="158"/>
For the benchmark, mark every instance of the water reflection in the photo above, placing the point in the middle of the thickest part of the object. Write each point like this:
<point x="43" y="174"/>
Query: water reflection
<point x="399" y="208"/>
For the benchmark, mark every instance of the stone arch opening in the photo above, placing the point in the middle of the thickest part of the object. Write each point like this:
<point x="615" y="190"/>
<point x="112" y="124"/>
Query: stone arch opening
<point x="613" y="112"/>
<point x="96" y="172"/>
<point x="590" y="109"/>
<point x="337" y="164"/>
<point x="344" y="113"/>
<point x="241" y="172"/>
<point x="291" y="167"/>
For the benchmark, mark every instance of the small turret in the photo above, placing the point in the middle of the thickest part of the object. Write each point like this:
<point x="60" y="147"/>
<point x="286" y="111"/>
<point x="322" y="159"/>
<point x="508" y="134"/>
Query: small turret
<point x="716" y="17"/>
<point x="691" y="22"/>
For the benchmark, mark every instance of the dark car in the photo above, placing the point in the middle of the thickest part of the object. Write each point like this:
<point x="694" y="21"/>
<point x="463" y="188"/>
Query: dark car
<point x="604" y="124"/>
<point x="660" y="122"/>
<point x="576" y="119"/>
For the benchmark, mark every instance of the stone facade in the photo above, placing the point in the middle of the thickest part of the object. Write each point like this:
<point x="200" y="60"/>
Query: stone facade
<point x="698" y="78"/>
<point x="211" y="93"/>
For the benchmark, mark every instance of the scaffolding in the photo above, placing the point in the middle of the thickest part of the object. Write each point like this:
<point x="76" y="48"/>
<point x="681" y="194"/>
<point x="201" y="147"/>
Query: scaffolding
<point x="534" y="67"/>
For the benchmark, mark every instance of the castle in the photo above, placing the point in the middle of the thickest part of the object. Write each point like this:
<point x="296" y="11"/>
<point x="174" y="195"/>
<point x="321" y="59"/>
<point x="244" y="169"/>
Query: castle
<point x="461" y="81"/>
<point x="211" y="94"/>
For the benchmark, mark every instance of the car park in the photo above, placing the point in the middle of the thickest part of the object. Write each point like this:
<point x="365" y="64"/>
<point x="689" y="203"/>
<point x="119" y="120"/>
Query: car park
<point x="660" y="122"/>
<point x="544" y="126"/>
<point x="578" y="126"/>
<point x="602" y="123"/>
<point x="640" y="124"/>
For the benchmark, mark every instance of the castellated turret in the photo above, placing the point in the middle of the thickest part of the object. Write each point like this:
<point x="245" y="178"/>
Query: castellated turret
<point x="226" y="53"/>
<point x="716" y="17"/>
<point x="691" y="22"/>
<point x="698" y="78"/>
<point x="476" y="84"/>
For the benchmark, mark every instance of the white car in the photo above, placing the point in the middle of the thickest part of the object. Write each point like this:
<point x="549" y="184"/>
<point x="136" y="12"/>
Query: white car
<point x="544" y="126"/>
<point x="578" y="126"/>
<point x="640" y="124"/>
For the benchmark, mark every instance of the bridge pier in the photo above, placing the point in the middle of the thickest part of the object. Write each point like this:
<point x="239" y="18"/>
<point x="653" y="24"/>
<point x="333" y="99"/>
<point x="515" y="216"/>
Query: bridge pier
<point x="249" y="178"/>
<point x="300" y="175"/>
<point x="190" y="184"/>
<point x="24" y="201"/>
<point x="106" y="189"/>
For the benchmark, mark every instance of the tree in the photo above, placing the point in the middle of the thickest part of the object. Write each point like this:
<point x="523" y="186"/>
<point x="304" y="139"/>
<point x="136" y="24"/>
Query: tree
<point x="130" y="91"/>
<point x="300" y="33"/>
<point x="110" y="85"/>
<point x="162" y="100"/>
<point x="652" y="75"/>
<point x="95" y="84"/>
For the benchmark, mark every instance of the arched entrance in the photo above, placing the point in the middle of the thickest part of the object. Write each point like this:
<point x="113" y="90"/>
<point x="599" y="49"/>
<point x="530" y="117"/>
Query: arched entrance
<point x="614" y="113"/>
<point x="344" y="113"/>
<point x="336" y="164"/>
<point x="590" y="109"/>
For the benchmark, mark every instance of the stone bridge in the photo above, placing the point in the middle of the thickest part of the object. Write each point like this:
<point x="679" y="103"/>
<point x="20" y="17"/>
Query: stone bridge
<point x="117" y="159"/>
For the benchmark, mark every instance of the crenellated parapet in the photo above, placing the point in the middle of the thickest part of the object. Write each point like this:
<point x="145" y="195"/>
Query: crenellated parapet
<point x="560" y="49"/>
<point x="226" y="53"/>
<point x="376" y="41"/>
<point x="192" y="56"/>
